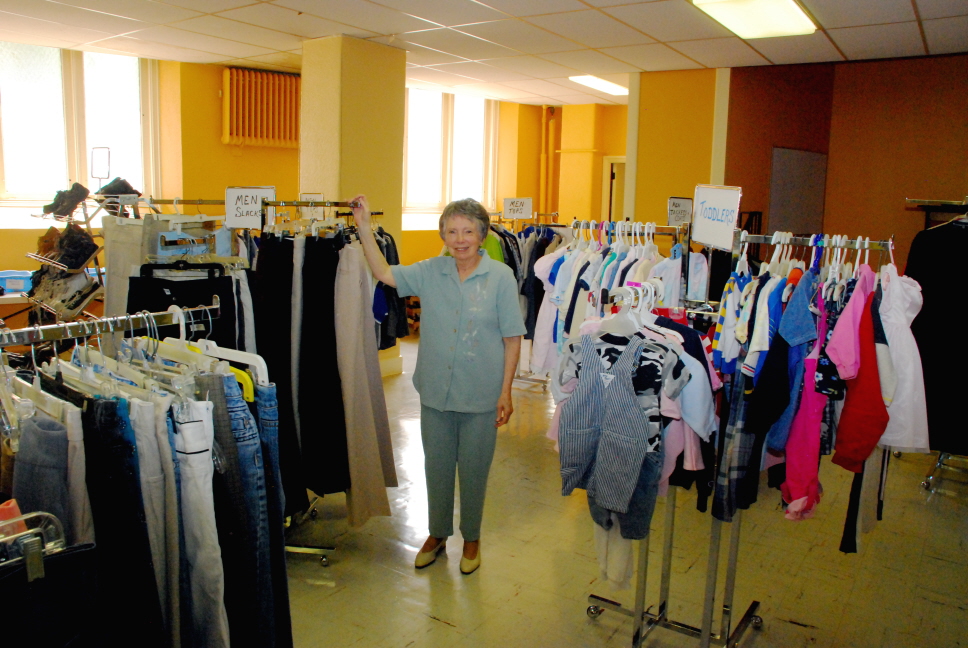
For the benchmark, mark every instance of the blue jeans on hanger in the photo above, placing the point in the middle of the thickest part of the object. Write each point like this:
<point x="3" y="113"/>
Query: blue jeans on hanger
<point x="268" y="410"/>
<point x="251" y="469"/>
<point x="634" y="524"/>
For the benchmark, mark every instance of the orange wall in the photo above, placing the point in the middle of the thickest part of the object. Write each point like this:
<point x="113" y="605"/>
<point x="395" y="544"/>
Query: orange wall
<point x="417" y="245"/>
<point x="785" y="105"/>
<point x="614" y="126"/>
<point x="899" y="129"/>
<point x="675" y="138"/>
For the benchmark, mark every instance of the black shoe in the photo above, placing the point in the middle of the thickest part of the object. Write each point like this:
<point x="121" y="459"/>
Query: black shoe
<point x="69" y="200"/>
<point x="117" y="187"/>
<point x="74" y="247"/>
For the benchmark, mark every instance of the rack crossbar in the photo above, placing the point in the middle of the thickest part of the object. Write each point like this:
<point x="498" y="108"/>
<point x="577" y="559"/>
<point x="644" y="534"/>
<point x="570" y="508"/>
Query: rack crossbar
<point x="87" y="328"/>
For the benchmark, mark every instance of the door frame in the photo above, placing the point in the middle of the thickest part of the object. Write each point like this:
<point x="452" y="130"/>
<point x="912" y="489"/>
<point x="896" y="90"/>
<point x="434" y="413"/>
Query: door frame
<point x="607" y="162"/>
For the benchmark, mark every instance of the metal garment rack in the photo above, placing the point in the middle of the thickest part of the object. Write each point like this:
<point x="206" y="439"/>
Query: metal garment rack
<point x="87" y="328"/>
<point x="944" y="463"/>
<point x="647" y="621"/>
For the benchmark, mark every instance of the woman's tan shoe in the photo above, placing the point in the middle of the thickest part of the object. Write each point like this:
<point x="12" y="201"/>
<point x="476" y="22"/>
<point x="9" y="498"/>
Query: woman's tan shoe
<point x="470" y="565"/>
<point x="425" y="558"/>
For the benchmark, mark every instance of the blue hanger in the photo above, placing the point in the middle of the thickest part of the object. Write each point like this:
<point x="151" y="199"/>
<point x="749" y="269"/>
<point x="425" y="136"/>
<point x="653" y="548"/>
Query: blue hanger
<point x="816" y="240"/>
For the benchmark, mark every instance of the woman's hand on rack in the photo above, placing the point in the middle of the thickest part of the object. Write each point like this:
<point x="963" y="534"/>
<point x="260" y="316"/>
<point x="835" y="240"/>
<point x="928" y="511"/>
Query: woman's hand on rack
<point x="361" y="212"/>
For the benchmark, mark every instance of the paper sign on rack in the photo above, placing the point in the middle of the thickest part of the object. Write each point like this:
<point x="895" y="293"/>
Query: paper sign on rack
<point x="517" y="208"/>
<point x="680" y="211"/>
<point x="715" y="212"/>
<point x="243" y="206"/>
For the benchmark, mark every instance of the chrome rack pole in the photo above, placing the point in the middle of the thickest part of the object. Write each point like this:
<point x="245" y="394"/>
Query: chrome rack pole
<point x="87" y="328"/>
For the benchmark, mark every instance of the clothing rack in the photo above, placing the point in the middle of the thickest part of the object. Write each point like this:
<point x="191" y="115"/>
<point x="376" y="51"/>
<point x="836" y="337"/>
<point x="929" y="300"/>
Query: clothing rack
<point x="87" y="328"/>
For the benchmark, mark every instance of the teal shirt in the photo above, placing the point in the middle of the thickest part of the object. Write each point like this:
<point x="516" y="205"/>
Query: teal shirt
<point x="460" y="361"/>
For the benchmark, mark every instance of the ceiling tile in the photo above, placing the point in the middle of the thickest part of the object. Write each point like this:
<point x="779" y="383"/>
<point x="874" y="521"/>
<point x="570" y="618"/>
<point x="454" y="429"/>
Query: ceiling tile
<point x="591" y="28"/>
<point x="458" y="44"/>
<point x="532" y="66"/>
<point x="292" y="22"/>
<point x="579" y="99"/>
<point x="837" y="13"/>
<point x="670" y="20"/>
<point x="947" y="35"/>
<point x="16" y="36"/>
<point x="149" y="49"/>
<point x="417" y="54"/>
<point x="535" y="86"/>
<point x="879" y="41"/>
<point x="359" y="13"/>
<point x="280" y="59"/>
<point x="494" y="91"/>
<point x="534" y="7"/>
<point x="538" y="101"/>
<point x="614" y="3"/>
<point x="590" y="62"/>
<point x="181" y="38"/>
<point x="238" y="31"/>
<point x="46" y="29"/>
<point x="209" y="6"/>
<point x="942" y="8"/>
<point x="810" y="48"/>
<point x="448" y="14"/>
<point x="720" y="52"/>
<point x="481" y="71"/>
<point x="652" y="58"/>
<point x="519" y="35"/>
<point x="73" y="16"/>
<point x="433" y="75"/>
<point x="147" y="10"/>
<point x="424" y="85"/>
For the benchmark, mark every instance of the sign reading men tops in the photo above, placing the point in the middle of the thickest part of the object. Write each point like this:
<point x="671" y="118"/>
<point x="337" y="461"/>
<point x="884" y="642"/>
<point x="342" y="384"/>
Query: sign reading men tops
<point x="517" y="208"/>
<point x="243" y="206"/>
<point x="715" y="212"/>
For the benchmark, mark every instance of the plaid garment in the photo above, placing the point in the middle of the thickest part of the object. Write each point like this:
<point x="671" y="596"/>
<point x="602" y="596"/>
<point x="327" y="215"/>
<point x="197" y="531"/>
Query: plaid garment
<point x="735" y="450"/>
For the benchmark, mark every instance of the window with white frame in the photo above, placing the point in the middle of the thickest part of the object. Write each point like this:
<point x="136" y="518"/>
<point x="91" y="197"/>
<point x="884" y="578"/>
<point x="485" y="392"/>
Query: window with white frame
<point x="58" y="105"/>
<point x="451" y="146"/>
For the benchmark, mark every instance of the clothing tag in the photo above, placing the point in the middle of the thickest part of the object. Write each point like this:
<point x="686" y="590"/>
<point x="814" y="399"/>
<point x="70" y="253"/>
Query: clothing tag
<point x="167" y="292"/>
<point x="607" y="378"/>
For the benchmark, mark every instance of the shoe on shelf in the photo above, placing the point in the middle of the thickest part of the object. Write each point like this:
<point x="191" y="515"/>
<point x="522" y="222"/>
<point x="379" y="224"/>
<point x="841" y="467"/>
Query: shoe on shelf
<point x="70" y="199"/>
<point x="470" y="565"/>
<point x="74" y="247"/>
<point x="117" y="187"/>
<point x="427" y="558"/>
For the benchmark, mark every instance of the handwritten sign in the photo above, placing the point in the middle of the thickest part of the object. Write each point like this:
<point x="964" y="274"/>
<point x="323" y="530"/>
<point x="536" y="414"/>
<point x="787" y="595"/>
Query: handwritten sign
<point x="243" y="206"/>
<point x="680" y="211"/>
<point x="715" y="212"/>
<point x="517" y="208"/>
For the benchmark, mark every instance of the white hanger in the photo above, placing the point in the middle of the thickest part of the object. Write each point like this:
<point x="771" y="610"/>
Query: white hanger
<point x="622" y="322"/>
<point x="257" y="365"/>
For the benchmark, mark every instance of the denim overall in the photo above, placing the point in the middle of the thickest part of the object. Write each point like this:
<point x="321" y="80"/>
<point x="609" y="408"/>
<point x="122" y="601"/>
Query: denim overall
<point x="603" y="431"/>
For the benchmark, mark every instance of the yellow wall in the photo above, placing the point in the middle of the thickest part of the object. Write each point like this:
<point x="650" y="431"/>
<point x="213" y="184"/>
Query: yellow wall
<point x="194" y="161"/>
<point x="675" y="138"/>
<point x="588" y="133"/>
<point x="418" y="245"/>
<point x="15" y="243"/>
<point x="519" y="152"/>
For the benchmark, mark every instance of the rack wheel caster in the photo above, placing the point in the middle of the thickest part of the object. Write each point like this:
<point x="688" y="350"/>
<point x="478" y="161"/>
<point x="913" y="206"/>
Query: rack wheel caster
<point x="926" y="485"/>
<point x="324" y="561"/>
<point x="314" y="513"/>
<point x="897" y="454"/>
<point x="756" y="622"/>
<point x="594" y="611"/>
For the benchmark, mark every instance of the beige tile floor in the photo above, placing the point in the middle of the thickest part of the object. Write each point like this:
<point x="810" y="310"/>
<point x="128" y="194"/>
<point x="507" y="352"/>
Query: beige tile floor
<point x="907" y="587"/>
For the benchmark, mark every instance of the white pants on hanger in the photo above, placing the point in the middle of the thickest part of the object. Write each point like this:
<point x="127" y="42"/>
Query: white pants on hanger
<point x="614" y="555"/>
<point x="193" y="444"/>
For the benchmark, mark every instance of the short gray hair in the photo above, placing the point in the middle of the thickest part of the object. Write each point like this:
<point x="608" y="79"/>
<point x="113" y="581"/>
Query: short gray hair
<point x="469" y="208"/>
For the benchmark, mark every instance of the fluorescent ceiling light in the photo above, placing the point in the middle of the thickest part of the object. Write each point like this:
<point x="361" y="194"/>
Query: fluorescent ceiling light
<point x="600" y="84"/>
<point x="759" y="18"/>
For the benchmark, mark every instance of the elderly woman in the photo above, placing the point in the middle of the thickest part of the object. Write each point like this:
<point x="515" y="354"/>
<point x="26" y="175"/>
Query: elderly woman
<point x="471" y="328"/>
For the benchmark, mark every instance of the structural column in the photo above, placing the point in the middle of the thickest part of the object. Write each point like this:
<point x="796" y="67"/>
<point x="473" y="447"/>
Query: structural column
<point x="352" y="128"/>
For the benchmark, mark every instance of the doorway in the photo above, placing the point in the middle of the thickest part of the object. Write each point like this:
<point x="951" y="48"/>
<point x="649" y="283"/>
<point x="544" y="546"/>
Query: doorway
<point x="613" y="187"/>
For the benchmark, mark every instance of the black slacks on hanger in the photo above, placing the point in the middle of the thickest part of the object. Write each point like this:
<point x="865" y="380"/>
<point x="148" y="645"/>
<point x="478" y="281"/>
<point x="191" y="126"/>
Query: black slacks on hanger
<point x="272" y="299"/>
<point x="322" y="421"/>
<point x="156" y="294"/>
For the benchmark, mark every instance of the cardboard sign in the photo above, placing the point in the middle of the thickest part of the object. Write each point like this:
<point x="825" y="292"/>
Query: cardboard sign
<point x="517" y="208"/>
<point x="680" y="211"/>
<point x="243" y="206"/>
<point x="715" y="212"/>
